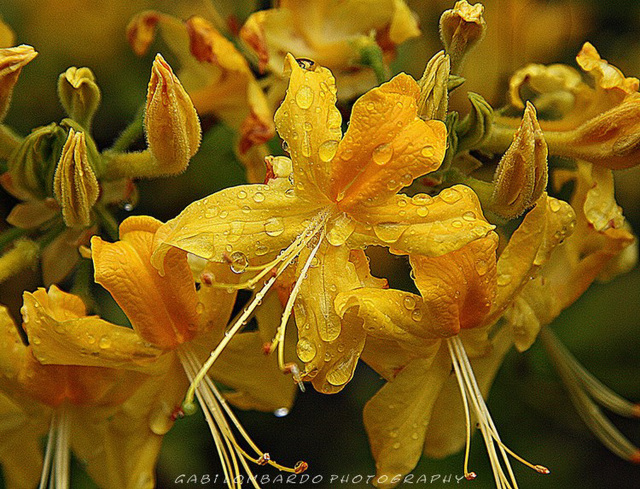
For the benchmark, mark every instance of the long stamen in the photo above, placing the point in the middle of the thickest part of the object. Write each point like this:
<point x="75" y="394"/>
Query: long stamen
<point x="280" y="333"/>
<point x="55" y="469"/>
<point x="471" y="391"/>
<point x="584" y="390"/>
<point x="215" y="408"/>
<point x="241" y="321"/>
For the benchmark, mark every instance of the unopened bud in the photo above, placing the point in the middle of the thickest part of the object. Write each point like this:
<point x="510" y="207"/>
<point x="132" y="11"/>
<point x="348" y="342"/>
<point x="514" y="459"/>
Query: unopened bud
<point x="521" y="176"/>
<point x="12" y="60"/>
<point x="33" y="162"/>
<point x="433" y="102"/>
<point x="171" y="123"/>
<point x="24" y="254"/>
<point x="79" y="94"/>
<point x="461" y="28"/>
<point x="75" y="185"/>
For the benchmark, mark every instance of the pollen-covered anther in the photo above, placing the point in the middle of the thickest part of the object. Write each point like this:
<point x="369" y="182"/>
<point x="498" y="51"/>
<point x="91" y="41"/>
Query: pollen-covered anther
<point x="300" y="467"/>
<point x="541" y="469"/>
<point x="207" y="278"/>
<point x="177" y="413"/>
<point x="294" y="370"/>
<point x="470" y="476"/>
<point x="267" y="348"/>
<point x="264" y="459"/>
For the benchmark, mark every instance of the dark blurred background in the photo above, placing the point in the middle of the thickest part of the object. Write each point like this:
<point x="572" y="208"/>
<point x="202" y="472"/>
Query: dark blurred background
<point x="528" y="403"/>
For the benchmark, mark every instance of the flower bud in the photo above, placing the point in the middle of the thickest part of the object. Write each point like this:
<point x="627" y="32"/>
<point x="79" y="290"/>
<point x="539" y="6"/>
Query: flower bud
<point x="33" y="162"/>
<point x="75" y="184"/>
<point x="434" y="95"/>
<point x="477" y="124"/>
<point x="79" y="94"/>
<point x="12" y="60"/>
<point x="461" y="28"/>
<point x="171" y="123"/>
<point x="521" y="176"/>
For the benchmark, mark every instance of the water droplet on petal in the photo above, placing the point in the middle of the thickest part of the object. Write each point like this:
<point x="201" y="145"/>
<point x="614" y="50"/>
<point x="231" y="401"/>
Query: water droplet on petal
<point x="304" y="97"/>
<point x="450" y="195"/>
<point x="416" y="315"/>
<point x="258" y="197"/>
<point x="306" y="350"/>
<point x="274" y="226"/>
<point x="389" y="232"/>
<point x="242" y="194"/>
<point x="422" y="211"/>
<point x="239" y="262"/>
<point x="199" y="307"/>
<point x="504" y="279"/>
<point x="427" y="151"/>
<point x="105" y="342"/>
<point x="469" y="216"/>
<point x="382" y="154"/>
<point x="327" y="150"/>
<point x="281" y="412"/>
<point x="554" y="205"/>
<point x="409" y="302"/>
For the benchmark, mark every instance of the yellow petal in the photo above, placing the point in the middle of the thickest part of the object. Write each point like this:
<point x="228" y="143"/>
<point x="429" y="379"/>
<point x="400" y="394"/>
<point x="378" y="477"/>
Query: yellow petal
<point x="59" y="336"/>
<point x="387" y="357"/>
<point x="396" y="418"/>
<point x="12" y="349"/>
<point x="386" y="146"/>
<point x="423" y="225"/>
<point x="255" y="220"/>
<point x="310" y="124"/>
<point x="607" y="76"/>
<point x="216" y="303"/>
<point x="20" y="452"/>
<point x="62" y="255"/>
<point x="162" y="309"/>
<point x="529" y="248"/>
<point x="328" y="344"/>
<point x="458" y="288"/>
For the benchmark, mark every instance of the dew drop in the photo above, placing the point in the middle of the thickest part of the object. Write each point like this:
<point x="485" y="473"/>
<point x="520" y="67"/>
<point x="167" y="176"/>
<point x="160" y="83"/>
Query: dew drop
<point x="199" y="307"/>
<point x="274" y="226"/>
<point x="389" y="232"/>
<point x="427" y="151"/>
<point x="258" y="197"/>
<point x="239" y="262"/>
<point x="382" y="154"/>
<point x="457" y="224"/>
<point x="504" y="279"/>
<point x="409" y="302"/>
<point x="105" y="342"/>
<point x="554" y="205"/>
<point x="306" y="350"/>
<point x="327" y="150"/>
<point x="281" y="412"/>
<point x="304" y="97"/>
<point x="450" y="195"/>
<point x="416" y="315"/>
<point x="469" y="216"/>
<point x="396" y="445"/>
<point x="242" y="194"/>
<point x="422" y="211"/>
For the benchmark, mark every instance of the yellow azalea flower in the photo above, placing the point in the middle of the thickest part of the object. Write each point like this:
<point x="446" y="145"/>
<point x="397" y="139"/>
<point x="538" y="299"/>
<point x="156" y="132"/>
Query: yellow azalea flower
<point x="601" y="247"/>
<point x="335" y="196"/>
<point x="171" y="318"/>
<point x="597" y="124"/>
<point x="105" y="415"/>
<point x="416" y="340"/>
<point x="335" y="34"/>
<point x="217" y="77"/>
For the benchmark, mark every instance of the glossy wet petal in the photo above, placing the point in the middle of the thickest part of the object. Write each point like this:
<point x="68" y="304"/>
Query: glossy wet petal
<point x="386" y="146"/>
<point x="162" y="309"/>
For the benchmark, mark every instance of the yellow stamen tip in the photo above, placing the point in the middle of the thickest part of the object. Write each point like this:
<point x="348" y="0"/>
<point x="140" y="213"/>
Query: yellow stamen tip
<point x="635" y="458"/>
<point x="300" y="467"/>
<point x="189" y="408"/>
<point x="264" y="459"/>
<point x="470" y="476"/>
<point x="541" y="469"/>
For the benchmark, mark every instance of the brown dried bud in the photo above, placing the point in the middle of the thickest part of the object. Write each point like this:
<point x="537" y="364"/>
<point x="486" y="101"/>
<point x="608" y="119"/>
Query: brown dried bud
<point x="75" y="184"/>
<point x="171" y="123"/>
<point x="521" y="176"/>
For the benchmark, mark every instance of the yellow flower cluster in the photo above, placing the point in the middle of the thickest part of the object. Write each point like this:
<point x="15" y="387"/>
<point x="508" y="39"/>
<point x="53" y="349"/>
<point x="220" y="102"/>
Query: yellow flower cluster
<point x="505" y="217"/>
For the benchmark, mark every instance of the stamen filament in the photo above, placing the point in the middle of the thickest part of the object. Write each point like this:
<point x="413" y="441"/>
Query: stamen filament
<point x="470" y="390"/>
<point x="55" y="469"/>
<point x="587" y="408"/>
<point x="215" y="406"/>
<point x="280" y="333"/>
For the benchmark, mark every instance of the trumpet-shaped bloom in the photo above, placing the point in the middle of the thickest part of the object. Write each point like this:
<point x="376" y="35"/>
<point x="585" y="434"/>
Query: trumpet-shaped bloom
<point x="332" y="33"/>
<point x="174" y="322"/>
<point x="105" y="415"/>
<point x="335" y="196"/>
<point x="217" y="77"/>
<point x="416" y="340"/>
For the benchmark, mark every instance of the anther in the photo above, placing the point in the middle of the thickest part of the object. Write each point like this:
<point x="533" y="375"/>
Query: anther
<point x="635" y="412"/>
<point x="470" y="476"/>
<point x="177" y="413"/>
<point x="264" y="459"/>
<point x="292" y="368"/>
<point x="307" y="64"/>
<point x="541" y="469"/>
<point x="207" y="278"/>
<point x="189" y="408"/>
<point x="300" y="467"/>
<point x="267" y="348"/>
